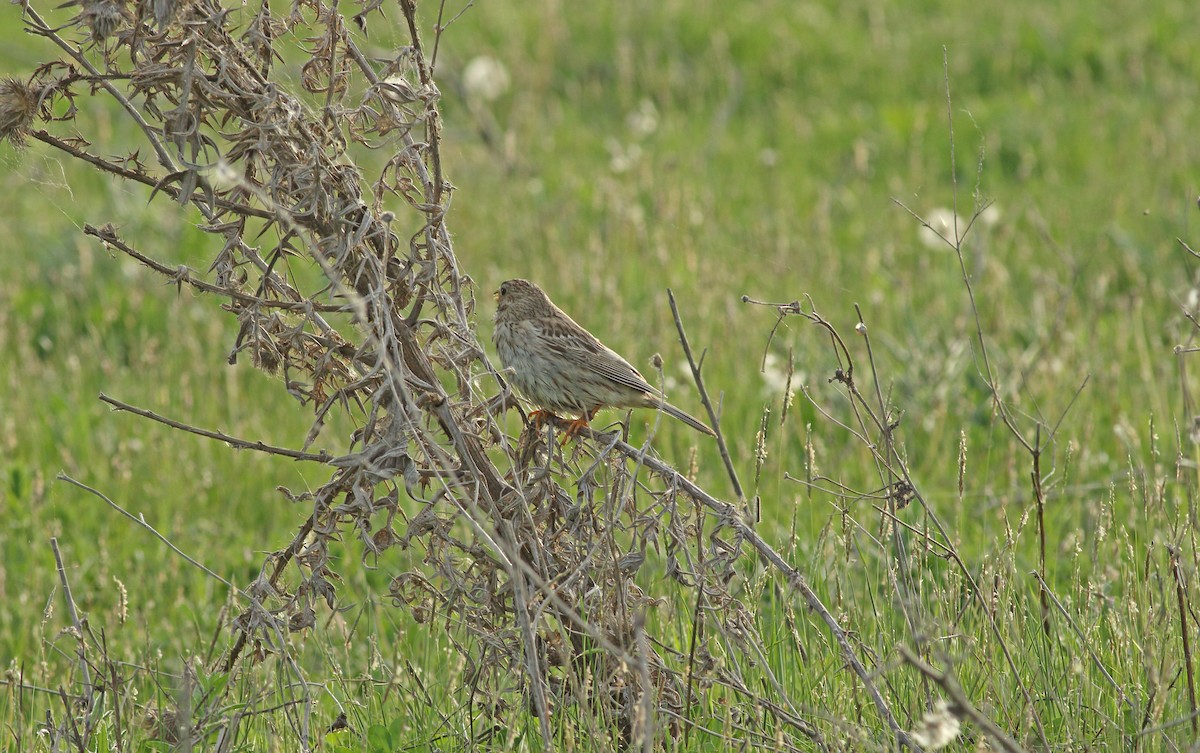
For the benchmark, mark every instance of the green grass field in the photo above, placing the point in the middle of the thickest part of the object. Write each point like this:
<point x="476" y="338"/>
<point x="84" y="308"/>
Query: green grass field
<point x="719" y="150"/>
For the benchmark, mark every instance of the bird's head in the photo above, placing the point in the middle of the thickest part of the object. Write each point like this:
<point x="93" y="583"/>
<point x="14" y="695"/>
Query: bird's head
<point x="521" y="299"/>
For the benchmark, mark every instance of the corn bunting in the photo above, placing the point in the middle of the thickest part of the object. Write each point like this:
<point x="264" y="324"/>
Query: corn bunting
<point x="562" y="367"/>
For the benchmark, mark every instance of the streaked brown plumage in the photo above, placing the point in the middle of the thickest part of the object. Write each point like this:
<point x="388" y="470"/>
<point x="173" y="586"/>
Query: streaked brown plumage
<point x="563" y="368"/>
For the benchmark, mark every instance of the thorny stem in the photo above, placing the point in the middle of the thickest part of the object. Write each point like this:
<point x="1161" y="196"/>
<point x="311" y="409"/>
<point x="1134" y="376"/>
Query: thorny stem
<point x="42" y="28"/>
<point x="138" y="176"/>
<point x="318" y="457"/>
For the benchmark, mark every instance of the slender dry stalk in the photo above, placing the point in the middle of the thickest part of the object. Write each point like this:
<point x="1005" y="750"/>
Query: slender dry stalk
<point x="1182" y="604"/>
<point x="81" y="644"/>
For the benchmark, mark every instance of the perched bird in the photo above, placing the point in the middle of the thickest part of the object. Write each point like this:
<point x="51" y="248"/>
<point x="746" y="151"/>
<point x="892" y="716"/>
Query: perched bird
<point x="562" y="367"/>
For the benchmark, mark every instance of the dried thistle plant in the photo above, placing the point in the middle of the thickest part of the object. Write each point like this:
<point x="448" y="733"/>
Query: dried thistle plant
<point x="18" y="108"/>
<point x="532" y="552"/>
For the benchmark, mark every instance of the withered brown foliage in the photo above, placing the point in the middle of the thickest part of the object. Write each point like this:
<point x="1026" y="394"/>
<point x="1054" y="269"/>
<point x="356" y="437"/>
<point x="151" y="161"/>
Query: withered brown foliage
<point x="532" y="551"/>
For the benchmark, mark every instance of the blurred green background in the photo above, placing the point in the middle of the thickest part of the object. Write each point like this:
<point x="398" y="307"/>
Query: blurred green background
<point x="612" y="150"/>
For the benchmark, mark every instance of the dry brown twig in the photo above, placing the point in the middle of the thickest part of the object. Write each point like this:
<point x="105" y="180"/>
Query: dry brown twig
<point x="531" y="550"/>
<point x="961" y="705"/>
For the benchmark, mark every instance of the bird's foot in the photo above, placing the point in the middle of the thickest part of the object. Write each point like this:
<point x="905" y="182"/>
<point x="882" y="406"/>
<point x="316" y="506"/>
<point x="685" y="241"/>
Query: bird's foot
<point x="573" y="428"/>
<point x="540" y="418"/>
<point x="578" y="425"/>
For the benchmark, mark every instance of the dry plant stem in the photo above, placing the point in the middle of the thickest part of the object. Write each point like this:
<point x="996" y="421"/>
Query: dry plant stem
<point x="729" y="515"/>
<point x="1084" y="641"/>
<point x="115" y="684"/>
<point x="696" y="634"/>
<point x="433" y="186"/>
<point x="739" y="742"/>
<point x="284" y="559"/>
<point x="981" y="599"/>
<point x="1159" y="729"/>
<point x="80" y="646"/>
<point x="900" y="576"/>
<point x="887" y="426"/>
<point x="1182" y="601"/>
<point x="441" y="28"/>
<point x="321" y="457"/>
<point x="533" y="669"/>
<point x="80" y="740"/>
<point x="435" y="230"/>
<point x="470" y="450"/>
<point x="141" y="522"/>
<point x="182" y="275"/>
<point x="566" y="611"/>
<point x="816" y="404"/>
<point x="17" y="683"/>
<point x="41" y="28"/>
<point x="988" y="374"/>
<point x="708" y="406"/>
<point x="947" y="552"/>
<point x="644" y="726"/>
<point x="138" y="520"/>
<point x="1035" y="478"/>
<point x="136" y="176"/>
<point x="962" y="705"/>
<point x="870" y="421"/>
<point x="988" y="371"/>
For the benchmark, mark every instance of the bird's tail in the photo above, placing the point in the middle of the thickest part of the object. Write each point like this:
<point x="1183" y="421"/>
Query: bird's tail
<point x="695" y="423"/>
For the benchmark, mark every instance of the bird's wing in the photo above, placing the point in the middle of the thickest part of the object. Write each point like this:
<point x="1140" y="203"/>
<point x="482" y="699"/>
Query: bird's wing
<point x="581" y="347"/>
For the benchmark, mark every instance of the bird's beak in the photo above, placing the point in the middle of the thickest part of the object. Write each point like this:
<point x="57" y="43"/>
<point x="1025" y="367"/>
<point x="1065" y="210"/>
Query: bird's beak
<point x="496" y="296"/>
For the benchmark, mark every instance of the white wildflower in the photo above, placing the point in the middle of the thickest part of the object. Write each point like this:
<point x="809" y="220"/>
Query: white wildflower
<point x="644" y="120"/>
<point x="938" y="727"/>
<point x="775" y="378"/>
<point x="990" y="216"/>
<point x="485" y="79"/>
<point x="941" y="228"/>
<point x="622" y="158"/>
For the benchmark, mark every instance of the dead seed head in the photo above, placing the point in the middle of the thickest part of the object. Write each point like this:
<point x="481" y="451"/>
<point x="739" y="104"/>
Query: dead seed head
<point x="102" y="17"/>
<point x="18" y="106"/>
<point x="266" y="358"/>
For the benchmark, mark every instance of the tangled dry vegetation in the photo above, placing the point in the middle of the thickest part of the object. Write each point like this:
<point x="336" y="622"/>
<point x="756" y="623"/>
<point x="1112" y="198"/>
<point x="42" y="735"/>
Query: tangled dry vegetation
<point x="251" y="119"/>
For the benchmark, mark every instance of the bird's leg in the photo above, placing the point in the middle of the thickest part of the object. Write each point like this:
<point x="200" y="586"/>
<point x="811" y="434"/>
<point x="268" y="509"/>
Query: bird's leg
<point x="579" y="424"/>
<point x="539" y="418"/>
